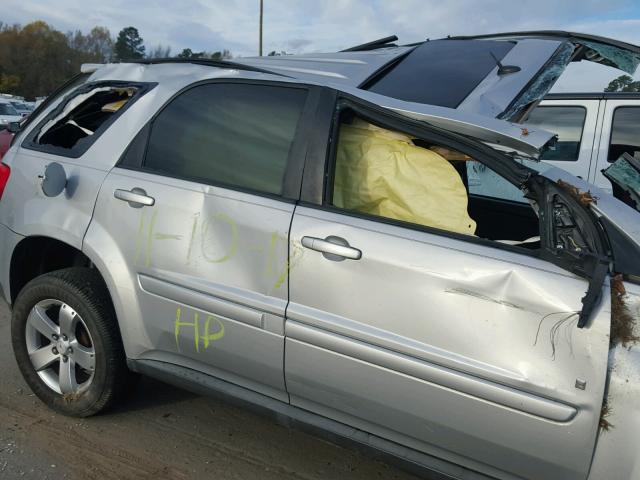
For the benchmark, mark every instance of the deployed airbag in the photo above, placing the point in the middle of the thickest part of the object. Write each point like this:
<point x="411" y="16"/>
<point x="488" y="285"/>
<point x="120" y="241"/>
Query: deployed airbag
<point x="383" y="173"/>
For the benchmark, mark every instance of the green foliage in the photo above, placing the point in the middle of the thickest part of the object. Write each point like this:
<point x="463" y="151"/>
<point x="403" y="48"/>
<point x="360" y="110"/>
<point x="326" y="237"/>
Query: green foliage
<point x="624" y="83"/>
<point x="36" y="59"/>
<point x="159" y="51"/>
<point x="129" y="45"/>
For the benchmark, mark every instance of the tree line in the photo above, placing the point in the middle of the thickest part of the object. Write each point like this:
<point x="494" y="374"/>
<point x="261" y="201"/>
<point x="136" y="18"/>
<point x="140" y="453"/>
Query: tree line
<point x="36" y="58"/>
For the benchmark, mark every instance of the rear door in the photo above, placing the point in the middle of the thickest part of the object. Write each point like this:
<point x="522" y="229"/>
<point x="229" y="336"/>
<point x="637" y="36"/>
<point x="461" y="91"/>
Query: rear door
<point x="193" y="224"/>
<point x="620" y="134"/>
<point x="462" y="346"/>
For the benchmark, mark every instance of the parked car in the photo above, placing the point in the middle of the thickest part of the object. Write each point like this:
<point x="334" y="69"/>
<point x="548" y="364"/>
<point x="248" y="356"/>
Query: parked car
<point x="594" y="130"/>
<point x="8" y="113"/>
<point x="298" y="235"/>
<point x="5" y="141"/>
<point x="21" y="107"/>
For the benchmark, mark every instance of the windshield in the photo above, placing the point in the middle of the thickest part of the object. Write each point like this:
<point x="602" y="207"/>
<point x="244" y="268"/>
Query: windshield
<point x="7" y="109"/>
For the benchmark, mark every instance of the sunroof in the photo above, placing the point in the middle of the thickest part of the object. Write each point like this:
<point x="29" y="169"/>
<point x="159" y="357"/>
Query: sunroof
<point x="441" y="72"/>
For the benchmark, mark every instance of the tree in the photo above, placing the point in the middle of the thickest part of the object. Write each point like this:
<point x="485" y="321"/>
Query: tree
<point x="129" y="44"/>
<point x="624" y="83"/>
<point x="96" y="47"/>
<point x="159" y="51"/>
<point x="100" y="44"/>
<point x="223" y="55"/>
<point x="34" y="59"/>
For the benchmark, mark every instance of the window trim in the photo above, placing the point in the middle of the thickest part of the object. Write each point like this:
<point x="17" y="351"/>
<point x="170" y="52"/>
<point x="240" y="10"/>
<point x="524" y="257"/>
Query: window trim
<point x="315" y="196"/>
<point x="292" y="180"/>
<point x="30" y="143"/>
<point x="584" y="122"/>
<point x="613" y="117"/>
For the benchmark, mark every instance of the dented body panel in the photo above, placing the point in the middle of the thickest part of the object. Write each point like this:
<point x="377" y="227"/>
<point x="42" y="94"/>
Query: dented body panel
<point x="427" y="325"/>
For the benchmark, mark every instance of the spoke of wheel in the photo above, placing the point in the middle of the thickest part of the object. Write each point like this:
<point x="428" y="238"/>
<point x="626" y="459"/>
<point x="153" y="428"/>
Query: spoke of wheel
<point x="83" y="356"/>
<point x="42" y="358"/>
<point x="39" y="320"/>
<point x="67" y="321"/>
<point x="67" y="377"/>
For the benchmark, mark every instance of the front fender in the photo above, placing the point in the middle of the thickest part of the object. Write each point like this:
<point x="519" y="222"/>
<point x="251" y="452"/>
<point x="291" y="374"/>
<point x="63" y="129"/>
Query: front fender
<point x="617" y="454"/>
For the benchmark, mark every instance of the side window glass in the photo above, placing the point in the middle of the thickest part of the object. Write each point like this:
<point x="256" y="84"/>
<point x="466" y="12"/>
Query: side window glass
<point x="567" y="123"/>
<point x="484" y="182"/>
<point x="232" y="134"/>
<point x="384" y="173"/>
<point x="625" y="133"/>
<point x="72" y="127"/>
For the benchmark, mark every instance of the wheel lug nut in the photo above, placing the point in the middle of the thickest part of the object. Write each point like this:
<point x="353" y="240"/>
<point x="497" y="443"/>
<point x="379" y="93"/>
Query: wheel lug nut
<point x="54" y="350"/>
<point x="65" y="359"/>
<point x="54" y="336"/>
<point x="64" y="337"/>
<point x="69" y="351"/>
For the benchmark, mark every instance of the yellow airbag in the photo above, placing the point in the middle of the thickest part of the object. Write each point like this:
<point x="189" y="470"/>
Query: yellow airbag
<point x="383" y="173"/>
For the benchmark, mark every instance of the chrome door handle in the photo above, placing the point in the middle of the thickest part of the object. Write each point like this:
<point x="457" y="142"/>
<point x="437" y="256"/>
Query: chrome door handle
<point x="333" y="248"/>
<point x="136" y="197"/>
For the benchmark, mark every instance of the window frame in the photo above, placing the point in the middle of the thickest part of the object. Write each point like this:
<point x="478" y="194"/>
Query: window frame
<point x="613" y="118"/>
<point x="584" y="122"/>
<point x="292" y="181"/>
<point x="317" y="187"/>
<point x="76" y="151"/>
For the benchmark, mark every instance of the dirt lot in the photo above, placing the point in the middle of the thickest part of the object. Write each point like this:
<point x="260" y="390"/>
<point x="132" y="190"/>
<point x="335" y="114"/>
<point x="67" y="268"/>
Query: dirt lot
<point x="161" y="433"/>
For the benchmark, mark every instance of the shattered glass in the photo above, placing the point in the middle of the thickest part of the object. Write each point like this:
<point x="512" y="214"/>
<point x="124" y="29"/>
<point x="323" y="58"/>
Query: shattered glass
<point x="625" y="172"/>
<point x="614" y="57"/>
<point x="544" y="82"/>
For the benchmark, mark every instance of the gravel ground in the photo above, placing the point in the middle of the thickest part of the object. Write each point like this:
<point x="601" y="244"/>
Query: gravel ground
<point x="160" y="433"/>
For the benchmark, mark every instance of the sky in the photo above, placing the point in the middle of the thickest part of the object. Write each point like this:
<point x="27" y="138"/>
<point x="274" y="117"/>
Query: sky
<point x="301" y="26"/>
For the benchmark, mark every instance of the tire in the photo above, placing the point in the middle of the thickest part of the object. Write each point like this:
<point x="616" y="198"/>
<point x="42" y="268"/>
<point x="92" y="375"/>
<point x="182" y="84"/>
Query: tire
<point x="69" y="310"/>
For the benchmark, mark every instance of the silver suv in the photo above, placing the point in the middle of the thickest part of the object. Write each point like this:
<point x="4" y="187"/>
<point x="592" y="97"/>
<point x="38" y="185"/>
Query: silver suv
<point x="298" y="234"/>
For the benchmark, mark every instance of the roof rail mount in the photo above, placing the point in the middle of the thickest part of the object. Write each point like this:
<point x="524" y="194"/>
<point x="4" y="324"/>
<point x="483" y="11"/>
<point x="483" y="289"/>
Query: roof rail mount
<point x="380" y="43"/>
<point x="202" y="61"/>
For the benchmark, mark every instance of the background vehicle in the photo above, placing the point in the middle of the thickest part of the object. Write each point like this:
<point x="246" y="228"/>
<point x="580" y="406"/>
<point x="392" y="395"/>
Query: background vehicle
<point x="8" y="113"/>
<point x="594" y="130"/>
<point x="5" y="141"/>
<point x="192" y="220"/>
<point x="22" y="108"/>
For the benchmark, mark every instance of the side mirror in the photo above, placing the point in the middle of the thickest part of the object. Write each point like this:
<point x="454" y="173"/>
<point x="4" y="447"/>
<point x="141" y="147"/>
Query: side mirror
<point x="13" y="127"/>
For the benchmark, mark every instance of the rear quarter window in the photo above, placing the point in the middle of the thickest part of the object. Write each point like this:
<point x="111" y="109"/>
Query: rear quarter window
<point x="81" y="118"/>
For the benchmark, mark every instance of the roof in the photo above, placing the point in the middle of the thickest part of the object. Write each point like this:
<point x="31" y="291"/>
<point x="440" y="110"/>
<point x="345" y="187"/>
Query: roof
<point x="349" y="68"/>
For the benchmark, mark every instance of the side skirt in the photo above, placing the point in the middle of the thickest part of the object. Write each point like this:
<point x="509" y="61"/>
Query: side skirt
<point x="417" y="463"/>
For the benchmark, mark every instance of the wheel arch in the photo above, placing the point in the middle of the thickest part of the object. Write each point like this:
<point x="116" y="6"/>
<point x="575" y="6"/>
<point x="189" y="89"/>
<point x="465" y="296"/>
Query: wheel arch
<point x="36" y="255"/>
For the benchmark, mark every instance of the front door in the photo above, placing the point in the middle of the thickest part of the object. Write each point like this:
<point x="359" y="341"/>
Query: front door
<point x="410" y="320"/>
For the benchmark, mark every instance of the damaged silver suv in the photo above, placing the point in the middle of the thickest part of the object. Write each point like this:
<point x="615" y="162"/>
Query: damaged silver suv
<point x="298" y="234"/>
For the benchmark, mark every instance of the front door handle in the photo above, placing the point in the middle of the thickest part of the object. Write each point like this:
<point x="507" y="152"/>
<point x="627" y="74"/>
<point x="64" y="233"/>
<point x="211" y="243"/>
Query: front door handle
<point x="136" y="197"/>
<point x="333" y="248"/>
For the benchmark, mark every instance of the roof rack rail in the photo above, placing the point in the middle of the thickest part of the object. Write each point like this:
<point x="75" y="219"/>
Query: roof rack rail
<point x="380" y="43"/>
<point x="202" y="61"/>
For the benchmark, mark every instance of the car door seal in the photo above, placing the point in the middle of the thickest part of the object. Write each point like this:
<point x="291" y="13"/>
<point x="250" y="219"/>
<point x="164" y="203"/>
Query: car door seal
<point x="599" y="270"/>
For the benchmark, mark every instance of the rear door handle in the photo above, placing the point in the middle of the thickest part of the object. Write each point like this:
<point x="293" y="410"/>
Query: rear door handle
<point x="136" y="197"/>
<point x="333" y="248"/>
